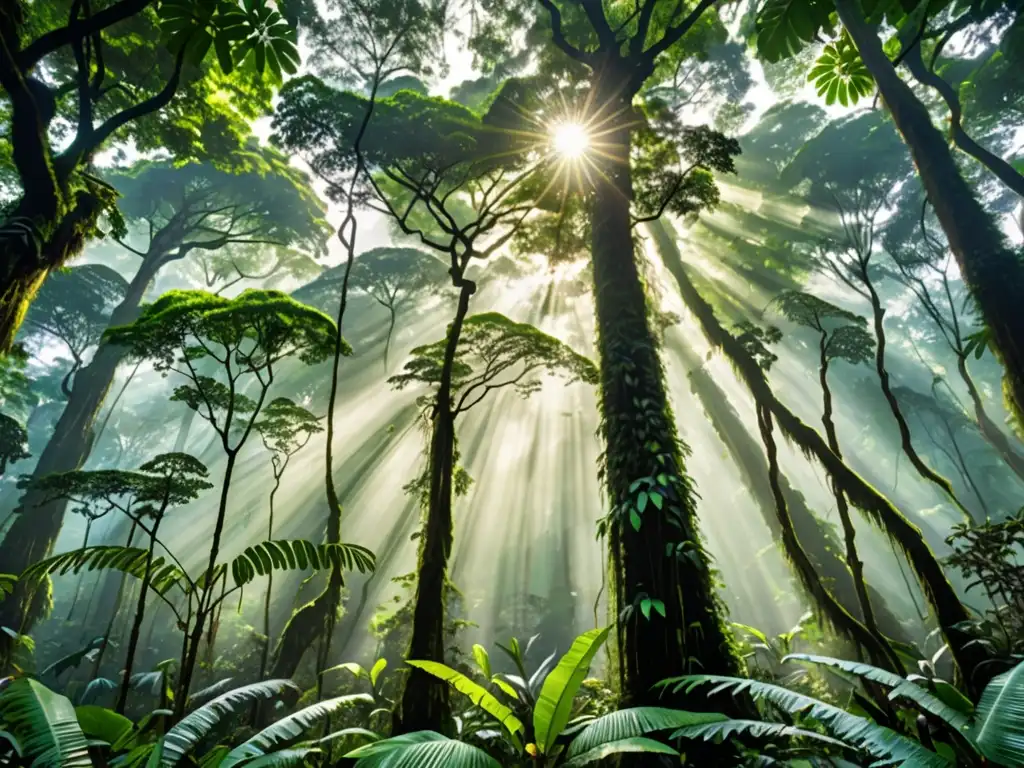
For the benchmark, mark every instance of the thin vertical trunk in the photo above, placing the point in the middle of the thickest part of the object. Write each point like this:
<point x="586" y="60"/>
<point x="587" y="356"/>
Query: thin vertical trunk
<point x="833" y="612"/>
<point x="849" y="531"/>
<point x="206" y="595"/>
<point x="81" y="576"/>
<point x="878" y="318"/>
<point x="425" y="702"/>
<point x="663" y="559"/>
<point x="993" y="272"/>
<point x="140" y="612"/>
<point x="265" y="651"/>
<point x="989" y="429"/>
<point x="114" y="612"/>
<point x="391" y="331"/>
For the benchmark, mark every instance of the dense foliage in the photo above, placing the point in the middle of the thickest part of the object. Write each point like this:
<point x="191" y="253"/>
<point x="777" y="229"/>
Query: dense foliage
<point x="609" y="253"/>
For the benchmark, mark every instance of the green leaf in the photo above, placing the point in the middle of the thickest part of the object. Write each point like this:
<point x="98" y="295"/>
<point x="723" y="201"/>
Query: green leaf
<point x="421" y="749"/>
<point x="635" y="520"/>
<point x="378" y="667"/>
<point x="182" y="738"/>
<point x="103" y="724"/>
<point x="757" y="729"/>
<point x="44" y="724"/>
<point x="222" y="46"/>
<point x="785" y="26"/>
<point x="483" y="660"/>
<point x="476" y="693"/>
<point x="641" y="502"/>
<point x="554" y="704"/>
<point x="635" y="744"/>
<point x="925" y="700"/>
<point x="879" y="741"/>
<point x="298" y="554"/>
<point x="998" y="729"/>
<point x="635" y="721"/>
<point x="357" y="670"/>
<point x="288" y="729"/>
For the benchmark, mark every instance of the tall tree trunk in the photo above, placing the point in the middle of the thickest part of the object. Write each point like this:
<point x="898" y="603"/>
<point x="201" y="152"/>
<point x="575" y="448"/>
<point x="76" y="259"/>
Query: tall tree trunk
<point x="989" y="429"/>
<point x="656" y="549"/>
<point x="993" y="272"/>
<point x="425" y="703"/>
<point x="949" y="611"/>
<point x="206" y="594"/>
<point x="37" y="525"/>
<point x="140" y="612"/>
<point x="849" y="531"/>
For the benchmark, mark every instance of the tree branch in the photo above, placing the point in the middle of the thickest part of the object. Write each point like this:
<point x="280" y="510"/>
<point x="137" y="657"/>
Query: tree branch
<point x="673" y="34"/>
<point x="559" y="36"/>
<point x="58" y="38"/>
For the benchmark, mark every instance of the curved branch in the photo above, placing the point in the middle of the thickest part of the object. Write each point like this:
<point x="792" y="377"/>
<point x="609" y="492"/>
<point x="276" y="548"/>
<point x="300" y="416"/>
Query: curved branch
<point x="58" y="38"/>
<point x="999" y="167"/>
<point x="559" y="36"/>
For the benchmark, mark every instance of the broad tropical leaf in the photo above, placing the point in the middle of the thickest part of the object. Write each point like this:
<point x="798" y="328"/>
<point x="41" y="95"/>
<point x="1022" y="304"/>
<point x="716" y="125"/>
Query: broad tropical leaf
<point x="421" y="749"/>
<point x="103" y="724"/>
<point x="283" y="758"/>
<point x="289" y="728"/>
<point x="476" y="693"/>
<point x="636" y="721"/>
<point x="718" y="732"/>
<point x="298" y="554"/>
<point x="785" y="26"/>
<point x="73" y="659"/>
<point x="998" y="729"/>
<point x="97" y="688"/>
<point x="183" y="737"/>
<point x="554" y="704"/>
<point x="130" y="560"/>
<point x="634" y="744"/>
<point x="44" y="725"/>
<point x="925" y="700"/>
<point x="881" y="742"/>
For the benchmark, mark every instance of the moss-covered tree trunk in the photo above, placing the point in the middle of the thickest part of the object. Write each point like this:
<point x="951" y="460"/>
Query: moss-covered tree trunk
<point x="656" y="550"/>
<point x="425" y="701"/>
<point x="992" y="270"/>
<point x="36" y="525"/>
<point x="949" y="611"/>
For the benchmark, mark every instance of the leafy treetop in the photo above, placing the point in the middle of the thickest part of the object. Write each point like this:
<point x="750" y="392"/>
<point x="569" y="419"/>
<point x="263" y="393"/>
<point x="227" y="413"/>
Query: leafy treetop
<point x="844" y="334"/>
<point x="285" y="427"/>
<point x="495" y="352"/>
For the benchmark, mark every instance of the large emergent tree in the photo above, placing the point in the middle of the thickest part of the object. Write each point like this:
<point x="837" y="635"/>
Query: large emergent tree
<point x="991" y="268"/>
<point x="643" y="163"/>
<point x="363" y="45"/>
<point x="142" y="70"/>
<point x="176" y="211"/>
<point x="490" y="353"/>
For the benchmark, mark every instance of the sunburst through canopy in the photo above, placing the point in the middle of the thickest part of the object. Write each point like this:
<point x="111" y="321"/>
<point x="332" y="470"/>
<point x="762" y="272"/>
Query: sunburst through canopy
<point x="570" y="140"/>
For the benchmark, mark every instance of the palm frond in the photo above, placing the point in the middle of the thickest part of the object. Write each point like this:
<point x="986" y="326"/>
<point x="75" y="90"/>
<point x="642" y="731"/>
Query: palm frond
<point x="634" y="744"/>
<point x="758" y="729"/>
<point x="289" y="728"/>
<point x="130" y="560"/>
<point x="635" y="721"/>
<point x="902" y="688"/>
<point x="421" y="749"/>
<point x="879" y="741"/>
<point x="998" y="729"/>
<point x="284" y="758"/>
<point x="44" y="725"/>
<point x="183" y="737"/>
<point x="298" y="554"/>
